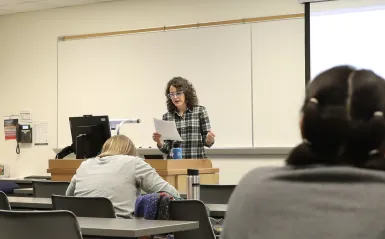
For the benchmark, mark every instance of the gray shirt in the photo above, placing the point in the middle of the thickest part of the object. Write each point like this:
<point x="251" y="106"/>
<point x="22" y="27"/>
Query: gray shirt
<point x="119" y="178"/>
<point x="318" y="202"/>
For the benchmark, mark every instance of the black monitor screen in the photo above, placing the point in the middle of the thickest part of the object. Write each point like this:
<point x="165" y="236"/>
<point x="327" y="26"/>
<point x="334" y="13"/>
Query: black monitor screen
<point x="89" y="133"/>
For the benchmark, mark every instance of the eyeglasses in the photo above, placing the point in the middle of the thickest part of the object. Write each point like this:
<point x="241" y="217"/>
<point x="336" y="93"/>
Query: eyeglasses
<point x="176" y="94"/>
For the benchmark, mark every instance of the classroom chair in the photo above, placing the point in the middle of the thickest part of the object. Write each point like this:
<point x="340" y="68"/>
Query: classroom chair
<point x="4" y="203"/>
<point x="216" y="194"/>
<point x="39" y="224"/>
<point x="45" y="189"/>
<point x="84" y="206"/>
<point x="192" y="210"/>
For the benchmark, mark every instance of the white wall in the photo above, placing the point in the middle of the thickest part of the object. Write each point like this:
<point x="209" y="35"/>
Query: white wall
<point x="28" y="53"/>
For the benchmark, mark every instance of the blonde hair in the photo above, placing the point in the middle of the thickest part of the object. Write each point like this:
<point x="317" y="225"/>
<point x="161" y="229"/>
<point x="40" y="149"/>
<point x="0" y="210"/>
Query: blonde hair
<point x="118" y="145"/>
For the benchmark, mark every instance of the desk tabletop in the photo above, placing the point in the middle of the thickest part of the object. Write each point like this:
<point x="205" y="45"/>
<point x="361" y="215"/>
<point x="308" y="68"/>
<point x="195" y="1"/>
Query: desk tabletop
<point x="23" y="191"/>
<point x="18" y="181"/>
<point x="217" y="210"/>
<point x="30" y="202"/>
<point x="29" y="191"/>
<point x="111" y="227"/>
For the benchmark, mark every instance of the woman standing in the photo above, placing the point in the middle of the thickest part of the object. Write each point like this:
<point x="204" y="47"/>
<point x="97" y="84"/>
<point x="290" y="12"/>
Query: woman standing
<point x="191" y="119"/>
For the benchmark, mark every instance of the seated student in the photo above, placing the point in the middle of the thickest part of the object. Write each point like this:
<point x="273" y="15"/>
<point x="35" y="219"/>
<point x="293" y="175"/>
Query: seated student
<point x="119" y="175"/>
<point x="334" y="183"/>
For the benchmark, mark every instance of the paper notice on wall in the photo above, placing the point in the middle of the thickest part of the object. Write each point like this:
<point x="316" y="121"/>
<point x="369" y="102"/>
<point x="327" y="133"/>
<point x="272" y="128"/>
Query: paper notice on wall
<point x="25" y="117"/>
<point x="40" y="133"/>
<point x="10" y="127"/>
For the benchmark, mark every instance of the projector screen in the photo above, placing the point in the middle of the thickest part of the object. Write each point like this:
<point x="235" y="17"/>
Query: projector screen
<point x="347" y="32"/>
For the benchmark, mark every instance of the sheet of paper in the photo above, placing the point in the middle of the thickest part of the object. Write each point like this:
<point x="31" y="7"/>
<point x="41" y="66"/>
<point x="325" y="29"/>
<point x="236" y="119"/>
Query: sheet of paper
<point x="25" y="117"/>
<point x="41" y="133"/>
<point x="167" y="129"/>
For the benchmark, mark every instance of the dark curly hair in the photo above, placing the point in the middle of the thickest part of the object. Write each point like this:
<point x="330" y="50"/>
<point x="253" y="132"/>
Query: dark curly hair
<point x="188" y="89"/>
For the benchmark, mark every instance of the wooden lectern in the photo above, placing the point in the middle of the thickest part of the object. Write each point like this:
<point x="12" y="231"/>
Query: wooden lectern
<point x="173" y="171"/>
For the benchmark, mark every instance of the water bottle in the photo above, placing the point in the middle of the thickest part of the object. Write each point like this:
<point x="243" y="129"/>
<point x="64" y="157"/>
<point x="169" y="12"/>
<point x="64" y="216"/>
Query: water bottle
<point x="177" y="151"/>
<point x="193" y="184"/>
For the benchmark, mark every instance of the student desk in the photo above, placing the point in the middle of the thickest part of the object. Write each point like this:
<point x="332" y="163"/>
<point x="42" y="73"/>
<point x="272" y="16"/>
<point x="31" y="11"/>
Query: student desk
<point x="172" y="171"/>
<point x="112" y="227"/>
<point x="23" y="191"/>
<point x="30" y="203"/>
<point x="28" y="192"/>
<point x="216" y="210"/>
<point x="23" y="183"/>
<point x="109" y="227"/>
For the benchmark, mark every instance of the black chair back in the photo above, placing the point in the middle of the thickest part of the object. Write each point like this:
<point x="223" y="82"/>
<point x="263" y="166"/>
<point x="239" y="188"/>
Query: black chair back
<point x="192" y="210"/>
<point x="84" y="206"/>
<point x="4" y="203"/>
<point x="45" y="189"/>
<point x="39" y="224"/>
<point x="216" y="194"/>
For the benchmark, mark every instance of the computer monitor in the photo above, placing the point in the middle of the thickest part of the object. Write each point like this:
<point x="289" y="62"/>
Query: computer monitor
<point x="89" y="133"/>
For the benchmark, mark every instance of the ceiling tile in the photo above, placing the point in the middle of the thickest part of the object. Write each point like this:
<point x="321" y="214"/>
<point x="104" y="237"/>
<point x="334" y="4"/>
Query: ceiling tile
<point x="14" y="6"/>
<point x="65" y="3"/>
<point x="104" y="0"/>
<point x="26" y="6"/>
<point x="4" y="12"/>
<point x="9" y="2"/>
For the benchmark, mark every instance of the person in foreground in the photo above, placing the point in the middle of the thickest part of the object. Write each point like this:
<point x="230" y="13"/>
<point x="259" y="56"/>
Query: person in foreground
<point x="334" y="183"/>
<point x="191" y="119"/>
<point x="119" y="175"/>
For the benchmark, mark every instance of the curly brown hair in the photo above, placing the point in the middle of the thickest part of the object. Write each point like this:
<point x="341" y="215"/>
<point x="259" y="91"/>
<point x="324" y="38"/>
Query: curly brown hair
<point x="188" y="89"/>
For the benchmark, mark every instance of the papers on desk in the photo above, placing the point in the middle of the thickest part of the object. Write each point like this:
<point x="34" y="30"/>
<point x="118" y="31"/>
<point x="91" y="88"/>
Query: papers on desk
<point x="167" y="129"/>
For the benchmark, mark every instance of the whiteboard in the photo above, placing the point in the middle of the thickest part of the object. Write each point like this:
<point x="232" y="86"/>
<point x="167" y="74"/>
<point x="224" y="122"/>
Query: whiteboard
<point x="125" y="77"/>
<point x="278" y="81"/>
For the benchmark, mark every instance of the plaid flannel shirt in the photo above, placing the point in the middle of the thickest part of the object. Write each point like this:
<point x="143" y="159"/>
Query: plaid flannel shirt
<point x="193" y="128"/>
